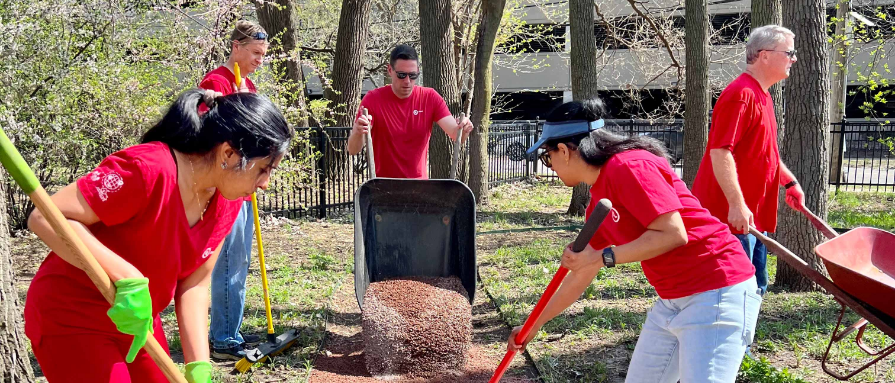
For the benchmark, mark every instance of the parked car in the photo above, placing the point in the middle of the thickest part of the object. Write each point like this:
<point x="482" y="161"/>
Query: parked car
<point x="673" y="141"/>
<point x="513" y="147"/>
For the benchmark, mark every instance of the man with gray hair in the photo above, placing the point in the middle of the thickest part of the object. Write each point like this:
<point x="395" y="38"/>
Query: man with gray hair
<point x="741" y="171"/>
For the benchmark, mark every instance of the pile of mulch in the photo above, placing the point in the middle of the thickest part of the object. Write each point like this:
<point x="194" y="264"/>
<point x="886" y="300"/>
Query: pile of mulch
<point x="416" y="327"/>
<point x="342" y="358"/>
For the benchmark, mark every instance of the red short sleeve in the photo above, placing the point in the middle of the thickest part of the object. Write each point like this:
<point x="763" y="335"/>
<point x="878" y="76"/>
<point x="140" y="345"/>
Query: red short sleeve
<point x="643" y="190"/>
<point x="729" y="120"/>
<point x="117" y="189"/>
<point x="216" y="83"/>
<point x="441" y="109"/>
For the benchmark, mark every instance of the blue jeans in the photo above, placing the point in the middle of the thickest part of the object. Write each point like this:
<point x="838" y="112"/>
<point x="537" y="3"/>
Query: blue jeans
<point x="228" y="281"/>
<point x="758" y="254"/>
<point x="699" y="338"/>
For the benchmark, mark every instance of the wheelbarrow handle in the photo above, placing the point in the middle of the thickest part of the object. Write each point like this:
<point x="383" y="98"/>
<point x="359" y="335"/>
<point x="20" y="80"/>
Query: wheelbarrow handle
<point x="819" y="224"/>
<point x="604" y="206"/>
<point x="368" y="140"/>
<point x="458" y="145"/>
<point x="798" y="263"/>
<point x="23" y="175"/>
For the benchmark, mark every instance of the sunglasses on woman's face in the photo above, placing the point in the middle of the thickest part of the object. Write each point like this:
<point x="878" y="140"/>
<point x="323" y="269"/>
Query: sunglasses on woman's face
<point x="545" y="159"/>
<point x="412" y="75"/>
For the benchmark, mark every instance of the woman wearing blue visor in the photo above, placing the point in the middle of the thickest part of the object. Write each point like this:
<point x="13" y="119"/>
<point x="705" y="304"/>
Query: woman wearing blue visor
<point x="698" y="329"/>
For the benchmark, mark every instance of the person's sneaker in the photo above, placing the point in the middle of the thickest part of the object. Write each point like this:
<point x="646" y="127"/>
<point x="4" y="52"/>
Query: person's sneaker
<point x="229" y="353"/>
<point x="251" y="339"/>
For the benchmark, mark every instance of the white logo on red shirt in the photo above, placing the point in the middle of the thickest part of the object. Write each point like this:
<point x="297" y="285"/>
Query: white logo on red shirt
<point x="615" y="215"/>
<point x="109" y="183"/>
<point x="416" y="112"/>
<point x="207" y="253"/>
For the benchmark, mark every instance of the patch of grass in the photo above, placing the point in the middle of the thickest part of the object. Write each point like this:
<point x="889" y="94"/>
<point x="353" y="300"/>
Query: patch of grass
<point x="853" y="209"/>
<point x="523" y="196"/>
<point x="761" y="371"/>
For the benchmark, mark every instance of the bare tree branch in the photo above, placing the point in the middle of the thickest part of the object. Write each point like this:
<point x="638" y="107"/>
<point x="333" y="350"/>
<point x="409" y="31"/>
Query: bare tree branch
<point x="658" y="32"/>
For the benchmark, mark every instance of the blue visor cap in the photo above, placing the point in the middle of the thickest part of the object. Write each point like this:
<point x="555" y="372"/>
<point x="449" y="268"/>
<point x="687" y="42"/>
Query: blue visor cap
<point x="554" y="130"/>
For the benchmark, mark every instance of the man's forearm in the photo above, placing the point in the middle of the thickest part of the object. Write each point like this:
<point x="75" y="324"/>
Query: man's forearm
<point x="786" y="176"/>
<point x="355" y="143"/>
<point x="725" y="170"/>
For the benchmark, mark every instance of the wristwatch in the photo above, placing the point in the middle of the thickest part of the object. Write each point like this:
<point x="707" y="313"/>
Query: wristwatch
<point x="791" y="184"/>
<point x="608" y="257"/>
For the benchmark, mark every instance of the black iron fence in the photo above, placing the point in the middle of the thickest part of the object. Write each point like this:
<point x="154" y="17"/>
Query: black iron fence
<point x="864" y="161"/>
<point x="321" y="177"/>
<point x="862" y="155"/>
<point x="508" y="141"/>
<point x="862" y="151"/>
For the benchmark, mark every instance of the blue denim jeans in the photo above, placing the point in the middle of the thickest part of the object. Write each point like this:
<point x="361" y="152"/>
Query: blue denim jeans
<point x="758" y="254"/>
<point x="228" y="281"/>
<point x="699" y="338"/>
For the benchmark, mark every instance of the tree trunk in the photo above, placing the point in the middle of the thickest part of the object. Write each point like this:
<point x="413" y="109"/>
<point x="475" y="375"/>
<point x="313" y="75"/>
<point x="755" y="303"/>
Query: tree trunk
<point x="15" y="364"/>
<point x="276" y="18"/>
<point x="437" y="40"/>
<point x="492" y="13"/>
<point x="347" y="78"/>
<point x="348" y="60"/>
<point x="696" y="108"/>
<point x="805" y="145"/>
<point x="584" y="75"/>
<point x="766" y="12"/>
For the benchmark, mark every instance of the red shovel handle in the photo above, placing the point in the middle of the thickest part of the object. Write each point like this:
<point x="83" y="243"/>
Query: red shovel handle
<point x="587" y="232"/>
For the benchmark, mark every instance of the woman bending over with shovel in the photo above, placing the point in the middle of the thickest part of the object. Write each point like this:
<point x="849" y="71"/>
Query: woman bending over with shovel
<point x="154" y="215"/>
<point x="698" y="329"/>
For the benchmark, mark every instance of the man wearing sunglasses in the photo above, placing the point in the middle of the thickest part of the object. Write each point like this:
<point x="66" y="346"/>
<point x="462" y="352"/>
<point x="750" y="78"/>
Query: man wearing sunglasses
<point x="248" y="44"/>
<point x="400" y="119"/>
<point x="741" y="172"/>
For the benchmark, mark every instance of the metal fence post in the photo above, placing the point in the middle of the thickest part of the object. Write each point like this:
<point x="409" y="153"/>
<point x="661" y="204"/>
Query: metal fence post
<point x="841" y="152"/>
<point x="528" y="167"/>
<point x="321" y="172"/>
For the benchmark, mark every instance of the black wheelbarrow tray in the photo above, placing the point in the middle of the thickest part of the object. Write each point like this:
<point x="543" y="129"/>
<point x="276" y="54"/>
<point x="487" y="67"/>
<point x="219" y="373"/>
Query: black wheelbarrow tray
<point x="861" y="264"/>
<point x="413" y="228"/>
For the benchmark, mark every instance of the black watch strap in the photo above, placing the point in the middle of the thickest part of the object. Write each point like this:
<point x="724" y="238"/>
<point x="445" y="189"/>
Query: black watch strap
<point x="791" y="184"/>
<point x="608" y="257"/>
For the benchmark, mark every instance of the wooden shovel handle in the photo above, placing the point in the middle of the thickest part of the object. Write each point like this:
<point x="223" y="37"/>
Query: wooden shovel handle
<point x="368" y="140"/>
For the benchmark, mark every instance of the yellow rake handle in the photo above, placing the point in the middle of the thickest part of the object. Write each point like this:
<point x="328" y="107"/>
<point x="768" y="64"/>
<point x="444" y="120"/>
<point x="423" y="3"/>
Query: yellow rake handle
<point x="263" y="267"/>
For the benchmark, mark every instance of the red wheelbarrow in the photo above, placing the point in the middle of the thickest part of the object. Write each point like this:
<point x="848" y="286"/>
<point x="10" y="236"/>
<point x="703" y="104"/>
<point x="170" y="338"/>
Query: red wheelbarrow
<point x="861" y="264"/>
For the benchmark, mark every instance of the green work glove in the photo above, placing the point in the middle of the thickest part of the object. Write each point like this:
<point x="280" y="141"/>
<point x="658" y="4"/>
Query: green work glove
<point x="198" y="372"/>
<point x="132" y="311"/>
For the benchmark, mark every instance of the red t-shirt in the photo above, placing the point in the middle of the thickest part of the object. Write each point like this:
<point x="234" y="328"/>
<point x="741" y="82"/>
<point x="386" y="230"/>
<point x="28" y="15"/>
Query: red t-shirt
<point x="134" y="193"/>
<point x="641" y="187"/>
<point x="224" y="81"/>
<point x="402" y="128"/>
<point x="744" y="123"/>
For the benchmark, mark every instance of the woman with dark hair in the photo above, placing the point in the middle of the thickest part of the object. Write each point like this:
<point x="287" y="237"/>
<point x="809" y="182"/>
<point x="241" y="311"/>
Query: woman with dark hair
<point x="698" y="329"/>
<point x="154" y="215"/>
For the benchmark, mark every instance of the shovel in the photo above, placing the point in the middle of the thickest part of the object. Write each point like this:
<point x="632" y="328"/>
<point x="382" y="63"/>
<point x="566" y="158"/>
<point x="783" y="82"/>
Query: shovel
<point x="275" y="345"/>
<point x="587" y="232"/>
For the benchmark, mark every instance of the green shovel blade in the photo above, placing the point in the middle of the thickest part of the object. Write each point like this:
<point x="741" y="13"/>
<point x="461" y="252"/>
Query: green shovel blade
<point x="15" y="164"/>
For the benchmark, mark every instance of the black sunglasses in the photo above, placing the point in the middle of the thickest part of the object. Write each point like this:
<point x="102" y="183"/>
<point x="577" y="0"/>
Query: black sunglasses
<point x="412" y="75"/>
<point x="789" y="54"/>
<point x="545" y="159"/>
